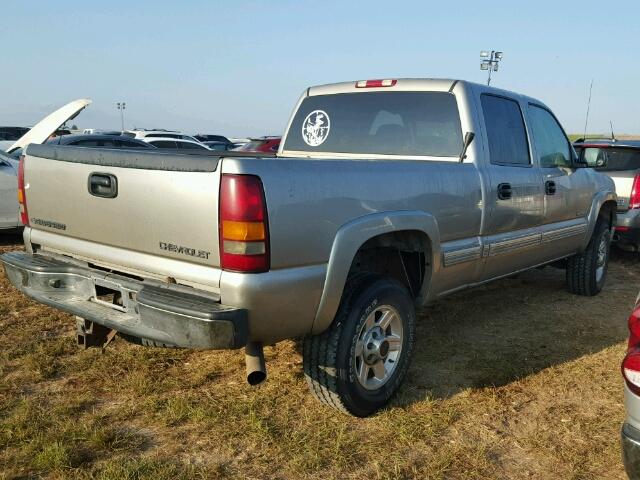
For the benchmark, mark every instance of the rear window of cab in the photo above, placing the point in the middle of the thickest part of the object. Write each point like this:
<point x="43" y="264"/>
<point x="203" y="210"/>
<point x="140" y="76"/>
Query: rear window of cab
<point x="379" y="123"/>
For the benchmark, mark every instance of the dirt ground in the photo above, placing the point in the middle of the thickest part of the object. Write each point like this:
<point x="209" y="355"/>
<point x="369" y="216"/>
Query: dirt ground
<point x="517" y="379"/>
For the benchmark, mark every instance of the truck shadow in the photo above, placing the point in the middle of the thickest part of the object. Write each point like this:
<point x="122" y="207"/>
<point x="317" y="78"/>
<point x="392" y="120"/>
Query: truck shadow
<point x="511" y="328"/>
<point x="10" y="238"/>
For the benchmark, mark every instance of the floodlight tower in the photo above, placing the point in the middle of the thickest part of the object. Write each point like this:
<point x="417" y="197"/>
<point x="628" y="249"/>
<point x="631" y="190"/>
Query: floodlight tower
<point x="490" y="62"/>
<point x="121" y="106"/>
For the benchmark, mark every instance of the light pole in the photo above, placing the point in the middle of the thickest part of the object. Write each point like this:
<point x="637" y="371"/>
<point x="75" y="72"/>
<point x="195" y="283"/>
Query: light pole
<point x="121" y="106"/>
<point x="490" y="62"/>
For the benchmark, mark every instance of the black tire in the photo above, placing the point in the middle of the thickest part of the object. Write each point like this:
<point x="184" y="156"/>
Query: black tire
<point x="583" y="276"/>
<point x="329" y="358"/>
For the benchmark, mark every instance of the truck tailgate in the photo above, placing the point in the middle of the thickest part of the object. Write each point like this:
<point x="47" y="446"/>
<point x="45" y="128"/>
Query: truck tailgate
<point x="165" y="205"/>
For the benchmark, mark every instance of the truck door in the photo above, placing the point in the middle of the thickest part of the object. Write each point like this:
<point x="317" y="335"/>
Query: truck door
<point x="568" y="191"/>
<point x="514" y="190"/>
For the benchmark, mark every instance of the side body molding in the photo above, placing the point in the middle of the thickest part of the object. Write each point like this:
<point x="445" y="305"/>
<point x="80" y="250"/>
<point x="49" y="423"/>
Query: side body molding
<point x="351" y="236"/>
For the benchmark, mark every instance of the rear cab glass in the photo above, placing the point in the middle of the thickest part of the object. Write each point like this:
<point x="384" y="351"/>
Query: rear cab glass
<point x="379" y="123"/>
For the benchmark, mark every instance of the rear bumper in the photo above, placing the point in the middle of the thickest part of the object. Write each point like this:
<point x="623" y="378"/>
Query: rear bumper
<point x="631" y="450"/>
<point x="628" y="227"/>
<point x="172" y="315"/>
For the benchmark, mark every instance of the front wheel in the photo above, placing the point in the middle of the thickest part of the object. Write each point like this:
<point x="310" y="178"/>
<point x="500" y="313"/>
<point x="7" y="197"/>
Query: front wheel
<point x="587" y="271"/>
<point x="360" y="361"/>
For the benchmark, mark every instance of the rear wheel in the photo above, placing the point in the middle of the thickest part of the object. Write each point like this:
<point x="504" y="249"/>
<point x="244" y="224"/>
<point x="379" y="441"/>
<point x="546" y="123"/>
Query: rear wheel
<point x="587" y="271"/>
<point x="360" y="361"/>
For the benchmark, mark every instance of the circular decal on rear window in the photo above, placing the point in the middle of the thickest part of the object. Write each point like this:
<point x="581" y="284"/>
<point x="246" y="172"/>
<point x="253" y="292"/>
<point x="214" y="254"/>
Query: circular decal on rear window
<point x="315" y="128"/>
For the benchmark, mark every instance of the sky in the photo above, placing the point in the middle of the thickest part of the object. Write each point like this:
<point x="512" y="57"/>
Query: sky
<point x="238" y="67"/>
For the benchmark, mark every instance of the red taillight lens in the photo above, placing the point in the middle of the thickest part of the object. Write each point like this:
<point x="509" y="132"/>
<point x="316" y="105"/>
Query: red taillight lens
<point x="244" y="233"/>
<point x="376" y="83"/>
<point x="631" y="370"/>
<point x="631" y="362"/>
<point x="22" y="196"/>
<point x="634" y="328"/>
<point x="634" y="201"/>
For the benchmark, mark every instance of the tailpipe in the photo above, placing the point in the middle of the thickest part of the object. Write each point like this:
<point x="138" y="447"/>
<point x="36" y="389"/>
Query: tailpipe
<point x="256" y="368"/>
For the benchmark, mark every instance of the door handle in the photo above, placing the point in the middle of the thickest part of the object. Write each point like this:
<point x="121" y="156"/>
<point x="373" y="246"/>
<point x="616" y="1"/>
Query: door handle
<point x="504" y="191"/>
<point x="103" y="185"/>
<point x="550" y="187"/>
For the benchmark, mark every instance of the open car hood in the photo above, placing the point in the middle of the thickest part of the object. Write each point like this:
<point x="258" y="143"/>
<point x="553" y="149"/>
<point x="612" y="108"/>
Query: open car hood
<point x="48" y="125"/>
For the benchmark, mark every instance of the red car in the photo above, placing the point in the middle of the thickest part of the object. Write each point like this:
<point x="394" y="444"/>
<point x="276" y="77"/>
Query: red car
<point x="262" y="144"/>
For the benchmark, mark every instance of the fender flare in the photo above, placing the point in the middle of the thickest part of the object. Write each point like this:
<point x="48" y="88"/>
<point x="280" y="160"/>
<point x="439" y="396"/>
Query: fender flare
<point x="598" y="201"/>
<point x="348" y="240"/>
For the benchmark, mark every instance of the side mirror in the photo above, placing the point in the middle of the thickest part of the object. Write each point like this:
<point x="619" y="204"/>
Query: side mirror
<point x="579" y="162"/>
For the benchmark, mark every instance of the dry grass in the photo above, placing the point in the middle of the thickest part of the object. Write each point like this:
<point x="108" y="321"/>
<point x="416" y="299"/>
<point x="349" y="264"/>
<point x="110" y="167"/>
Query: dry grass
<point x="518" y="379"/>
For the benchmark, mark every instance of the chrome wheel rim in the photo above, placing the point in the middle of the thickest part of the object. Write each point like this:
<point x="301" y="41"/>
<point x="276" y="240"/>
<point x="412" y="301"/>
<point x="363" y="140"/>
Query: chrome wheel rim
<point x="378" y="347"/>
<point x="602" y="257"/>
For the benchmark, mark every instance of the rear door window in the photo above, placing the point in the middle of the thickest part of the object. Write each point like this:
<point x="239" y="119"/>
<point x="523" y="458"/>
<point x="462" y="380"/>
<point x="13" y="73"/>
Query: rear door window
<point x="508" y="144"/>
<point x="383" y="123"/>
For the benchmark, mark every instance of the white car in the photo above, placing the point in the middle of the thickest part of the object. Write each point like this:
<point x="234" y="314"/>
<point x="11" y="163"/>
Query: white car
<point x="175" y="143"/>
<point x="9" y="209"/>
<point x="148" y="134"/>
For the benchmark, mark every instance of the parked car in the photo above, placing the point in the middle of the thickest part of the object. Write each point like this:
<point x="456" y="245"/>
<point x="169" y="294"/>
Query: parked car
<point x="8" y="135"/>
<point x="201" y="137"/>
<point x="220" y="146"/>
<point x="238" y="142"/>
<point x="175" y="143"/>
<point x="262" y="144"/>
<point x="148" y="134"/>
<point x="99" y="141"/>
<point x="386" y="195"/>
<point x="95" y="131"/>
<point x="9" y="208"/>
<point x="631" y="375"/>
<point x="620" y="160"/>
<point x="8" y="193"/>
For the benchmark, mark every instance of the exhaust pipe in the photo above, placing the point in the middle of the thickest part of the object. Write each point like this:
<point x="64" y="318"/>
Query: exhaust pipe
<point x="256" y="368"/>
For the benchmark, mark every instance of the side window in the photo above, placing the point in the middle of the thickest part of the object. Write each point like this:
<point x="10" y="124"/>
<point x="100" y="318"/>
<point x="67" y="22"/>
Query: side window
<point x="125" y="144"/>
<point x="505" y="130"/>
<point x="551" y="143"/>
<point x="86" y="143"/>
<point x="164" y="144"/>
<point x="190" y="146"/>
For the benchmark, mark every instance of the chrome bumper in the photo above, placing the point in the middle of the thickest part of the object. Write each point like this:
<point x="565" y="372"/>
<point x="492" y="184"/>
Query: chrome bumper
<point x="167" y="314"/>
<point x="631" y="450"/>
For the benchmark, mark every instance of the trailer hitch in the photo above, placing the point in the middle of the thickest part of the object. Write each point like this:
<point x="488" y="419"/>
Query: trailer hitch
<point x="91" y="334"/>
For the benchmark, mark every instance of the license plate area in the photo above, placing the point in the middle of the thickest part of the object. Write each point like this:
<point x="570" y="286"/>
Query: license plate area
<point x="114" y="295"/>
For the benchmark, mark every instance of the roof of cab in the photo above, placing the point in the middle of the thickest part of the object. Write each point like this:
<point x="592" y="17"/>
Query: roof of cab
<point x="414" y="84"/>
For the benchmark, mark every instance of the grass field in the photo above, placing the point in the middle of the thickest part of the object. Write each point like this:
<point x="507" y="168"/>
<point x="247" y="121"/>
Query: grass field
<point x="517" y="379"/>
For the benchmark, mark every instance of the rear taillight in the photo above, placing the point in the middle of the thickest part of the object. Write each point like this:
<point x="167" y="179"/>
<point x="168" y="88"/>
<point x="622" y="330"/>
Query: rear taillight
<point x="631" y="362"/>
<point x="376" y="83"/>
<point x="22" y="196"/>
<point x="634" y="201"/>
<point x="244" y="232"/>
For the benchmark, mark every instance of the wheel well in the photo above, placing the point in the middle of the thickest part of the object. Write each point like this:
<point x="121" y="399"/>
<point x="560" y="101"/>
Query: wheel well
<point x="608" y="211"/>
<point x="404" y="255"/>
